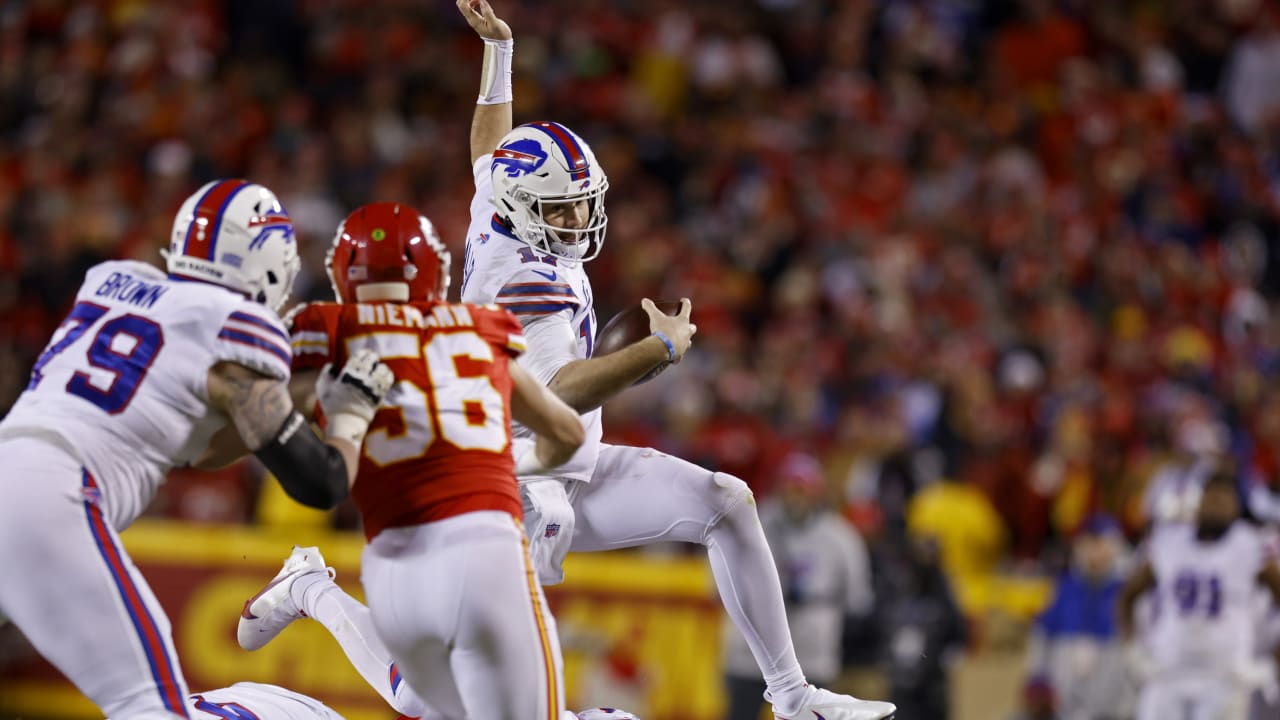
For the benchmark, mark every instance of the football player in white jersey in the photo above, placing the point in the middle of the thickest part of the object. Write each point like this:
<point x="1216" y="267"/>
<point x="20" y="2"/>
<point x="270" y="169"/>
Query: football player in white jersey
<point x="304" y="587"/>
<point x="145" y="369"/>
<point x="536" y="218"/>
<point x="1199" y="655"/>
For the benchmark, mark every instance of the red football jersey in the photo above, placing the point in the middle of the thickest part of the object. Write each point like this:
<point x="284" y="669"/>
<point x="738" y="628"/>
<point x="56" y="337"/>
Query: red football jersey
<point x="441" y="444"/>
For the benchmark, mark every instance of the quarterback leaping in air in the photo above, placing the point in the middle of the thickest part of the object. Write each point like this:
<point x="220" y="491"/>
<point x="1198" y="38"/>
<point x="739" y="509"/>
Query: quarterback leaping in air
<point x="536" y="218"/>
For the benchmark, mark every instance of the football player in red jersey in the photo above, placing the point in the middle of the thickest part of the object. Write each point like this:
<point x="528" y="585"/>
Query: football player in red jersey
<point x="446" y="571"/>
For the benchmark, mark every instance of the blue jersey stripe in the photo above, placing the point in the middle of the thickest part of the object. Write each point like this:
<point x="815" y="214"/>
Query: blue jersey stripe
<point x="256" y="321"/>
<point x="536" y="307"/>
<point x="536" y="289"/>
<point x="245" y="338"/>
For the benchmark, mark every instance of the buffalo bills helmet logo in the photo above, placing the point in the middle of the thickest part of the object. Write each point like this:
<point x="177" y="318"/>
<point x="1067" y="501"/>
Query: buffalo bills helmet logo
<point x="519" y="157"/>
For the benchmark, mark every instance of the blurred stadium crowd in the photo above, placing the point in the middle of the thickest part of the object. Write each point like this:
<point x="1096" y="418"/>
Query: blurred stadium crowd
<point x="1000" y="265"/>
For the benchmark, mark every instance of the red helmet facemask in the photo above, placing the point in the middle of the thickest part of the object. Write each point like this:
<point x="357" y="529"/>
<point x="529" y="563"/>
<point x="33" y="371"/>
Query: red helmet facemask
<point x="388" y="252"/>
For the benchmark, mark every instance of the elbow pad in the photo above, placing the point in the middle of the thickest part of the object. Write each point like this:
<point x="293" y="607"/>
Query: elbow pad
<point x="310" y="470"/>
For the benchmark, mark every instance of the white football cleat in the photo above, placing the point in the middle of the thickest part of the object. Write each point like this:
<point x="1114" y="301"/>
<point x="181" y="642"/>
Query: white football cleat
<point x="819" y="704"/>
<point x="272" y="609"/>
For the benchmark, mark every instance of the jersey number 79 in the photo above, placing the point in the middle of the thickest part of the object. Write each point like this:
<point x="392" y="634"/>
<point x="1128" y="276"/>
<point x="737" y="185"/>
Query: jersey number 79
<point x="124" y="346"/>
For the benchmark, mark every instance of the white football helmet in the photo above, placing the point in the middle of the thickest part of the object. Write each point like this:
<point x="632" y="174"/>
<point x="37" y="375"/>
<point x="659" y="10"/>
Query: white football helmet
<point x="236" y="234"/>
<point x="544" y="163"/>
<point x="606" y="714"/>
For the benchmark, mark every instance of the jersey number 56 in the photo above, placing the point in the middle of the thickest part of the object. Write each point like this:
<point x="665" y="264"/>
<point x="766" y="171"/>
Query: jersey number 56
<point x="466" y="412"/>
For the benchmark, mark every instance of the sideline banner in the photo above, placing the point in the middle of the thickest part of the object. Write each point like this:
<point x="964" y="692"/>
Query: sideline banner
<point x="639" y="631"/>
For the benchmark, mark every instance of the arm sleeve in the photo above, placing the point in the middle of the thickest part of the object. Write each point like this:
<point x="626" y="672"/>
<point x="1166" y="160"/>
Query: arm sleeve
<point x="311" y="336"/>
<point x="311" y="471"/>
<point x="253" y="336"/>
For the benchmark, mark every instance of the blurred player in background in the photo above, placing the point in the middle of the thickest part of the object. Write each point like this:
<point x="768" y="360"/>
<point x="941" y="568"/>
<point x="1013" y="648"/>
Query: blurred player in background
<point x="1074" y="648"/>
<point x="137" y="379"/>
<point x="304" y="587"/>
<point x="446" y="571"/>
<point x="1199" y="661"/>
<point x="537" y="216"/>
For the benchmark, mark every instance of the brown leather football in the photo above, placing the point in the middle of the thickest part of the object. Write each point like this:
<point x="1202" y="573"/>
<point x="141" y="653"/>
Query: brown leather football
<point x="630" y="326"/>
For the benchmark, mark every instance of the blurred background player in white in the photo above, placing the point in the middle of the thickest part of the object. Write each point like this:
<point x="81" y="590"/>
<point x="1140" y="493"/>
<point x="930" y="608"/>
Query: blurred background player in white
<point x="537" y="216"/>
<point x="826" y="578"/>
<point x="446" y="571"/>
<point x="304" y="587"/>
<point x="1199" y="660"/>
<point x="137" y="379"/>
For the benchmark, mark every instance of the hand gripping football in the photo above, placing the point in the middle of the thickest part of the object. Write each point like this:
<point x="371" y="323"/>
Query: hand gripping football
<point x="631" y="326"/>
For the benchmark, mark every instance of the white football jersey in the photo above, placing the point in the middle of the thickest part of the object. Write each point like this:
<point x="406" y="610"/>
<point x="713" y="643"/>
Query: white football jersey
<point x="498" y="268"/>
<point x="256" y="701"/>
<point x="122" y="384"/>
<point x="1205" y="615"/>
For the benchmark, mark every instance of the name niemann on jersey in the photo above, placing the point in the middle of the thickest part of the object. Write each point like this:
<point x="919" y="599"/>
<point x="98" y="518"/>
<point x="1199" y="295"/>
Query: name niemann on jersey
<point x="407" y="316"/>
<point x="129" y="289"/>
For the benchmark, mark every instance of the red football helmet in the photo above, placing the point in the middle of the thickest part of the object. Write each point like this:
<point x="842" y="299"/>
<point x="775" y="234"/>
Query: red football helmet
<point x="388" y="252"/>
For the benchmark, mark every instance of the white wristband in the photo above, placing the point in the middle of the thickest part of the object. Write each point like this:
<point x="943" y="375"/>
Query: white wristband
<point x="495" y="75"/>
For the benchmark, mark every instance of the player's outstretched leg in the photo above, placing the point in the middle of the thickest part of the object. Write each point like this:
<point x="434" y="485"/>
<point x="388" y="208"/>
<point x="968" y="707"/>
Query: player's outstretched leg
<point x="638" y="496"/>
<point x="304" y="587"/>
<point x="71" y="588"/>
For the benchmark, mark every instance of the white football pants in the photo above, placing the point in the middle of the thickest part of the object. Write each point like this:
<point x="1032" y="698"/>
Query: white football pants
<point x="72" y="590"/>
<point x="639" y="496"/>
<point x="457" y="605"/>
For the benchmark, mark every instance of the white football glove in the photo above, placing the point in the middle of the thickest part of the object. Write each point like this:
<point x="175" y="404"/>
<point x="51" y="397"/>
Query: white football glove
<point x="350" y="398"/>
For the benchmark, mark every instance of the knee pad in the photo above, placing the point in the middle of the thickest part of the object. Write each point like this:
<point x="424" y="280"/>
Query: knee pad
<point x="549" y="523"/>
<point x="730" y="493"/>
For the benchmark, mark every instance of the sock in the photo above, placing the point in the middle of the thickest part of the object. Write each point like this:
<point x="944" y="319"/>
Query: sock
<point x="749" y="587"/>
<point x="351" y="624"/>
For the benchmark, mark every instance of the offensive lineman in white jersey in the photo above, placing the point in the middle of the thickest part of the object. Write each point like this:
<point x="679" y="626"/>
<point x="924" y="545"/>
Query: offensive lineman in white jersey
<point x="137" y="380"/>
<point x="537" y="216"/>
<point x="1200" y="654"/>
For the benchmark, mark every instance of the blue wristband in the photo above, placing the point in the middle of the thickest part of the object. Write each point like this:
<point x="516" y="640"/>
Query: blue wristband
<point x="671" y="349"/>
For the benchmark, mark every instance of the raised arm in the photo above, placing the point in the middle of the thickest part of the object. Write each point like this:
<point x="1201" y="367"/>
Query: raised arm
<point x="314" y="473"/>
<point x="588" y="384"/>
<point x="492" y="119"/>
<point x="557" y="426"/>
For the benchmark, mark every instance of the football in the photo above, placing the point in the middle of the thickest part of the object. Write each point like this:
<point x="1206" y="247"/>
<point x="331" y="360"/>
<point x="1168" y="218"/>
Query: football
<point x="629" y="326"/>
